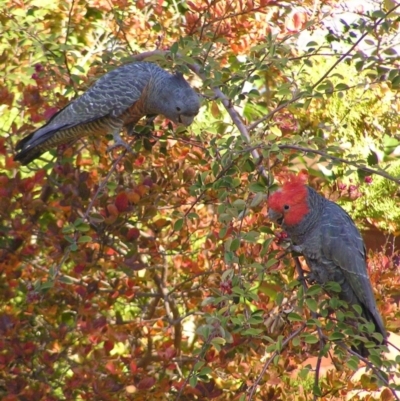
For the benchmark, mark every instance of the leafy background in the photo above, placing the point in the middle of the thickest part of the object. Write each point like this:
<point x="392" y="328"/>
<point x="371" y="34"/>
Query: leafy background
<point x="158" y="276"/>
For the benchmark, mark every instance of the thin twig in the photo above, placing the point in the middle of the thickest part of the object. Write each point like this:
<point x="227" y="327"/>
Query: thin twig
<point x="274" y="354"/>
<point x="342" y="160"/>
<point x="328" y="156"/>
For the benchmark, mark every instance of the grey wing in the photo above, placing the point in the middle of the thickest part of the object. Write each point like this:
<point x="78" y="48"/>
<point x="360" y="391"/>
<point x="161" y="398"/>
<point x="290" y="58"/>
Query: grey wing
<point x="111" y="95"/>
<point x="345" y="247"/>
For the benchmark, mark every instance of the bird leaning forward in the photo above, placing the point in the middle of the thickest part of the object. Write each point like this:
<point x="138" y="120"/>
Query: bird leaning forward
<point x="331" y="244"/>
<point x="118" y="99"/>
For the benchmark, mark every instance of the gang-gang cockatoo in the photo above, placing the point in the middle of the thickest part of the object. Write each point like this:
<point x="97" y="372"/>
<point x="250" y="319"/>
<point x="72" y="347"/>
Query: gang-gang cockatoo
<point x="331" y="244"/>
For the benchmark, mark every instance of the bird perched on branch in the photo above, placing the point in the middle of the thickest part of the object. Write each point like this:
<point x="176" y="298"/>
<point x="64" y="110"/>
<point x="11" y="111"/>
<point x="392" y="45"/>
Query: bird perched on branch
<point x="118" y="99"/>
<point x="331" y="244"/>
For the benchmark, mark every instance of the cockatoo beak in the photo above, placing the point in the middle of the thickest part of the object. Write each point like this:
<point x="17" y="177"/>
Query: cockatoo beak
<point x="186" y="120"/>
<point x="274" y="216"/>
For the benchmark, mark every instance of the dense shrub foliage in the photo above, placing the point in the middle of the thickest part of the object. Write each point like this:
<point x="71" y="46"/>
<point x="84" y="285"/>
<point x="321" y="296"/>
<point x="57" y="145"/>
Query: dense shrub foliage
<point x="158" y="276"/>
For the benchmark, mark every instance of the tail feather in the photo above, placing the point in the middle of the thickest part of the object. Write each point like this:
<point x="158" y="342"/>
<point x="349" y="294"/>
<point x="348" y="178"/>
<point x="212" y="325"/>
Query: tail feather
<point x="30" y="148"/>
<point x="27" y="156"/>
<point x="23" y="142"/>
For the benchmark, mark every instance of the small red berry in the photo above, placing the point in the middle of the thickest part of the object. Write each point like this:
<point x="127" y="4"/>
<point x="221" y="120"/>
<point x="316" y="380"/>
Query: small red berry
<point x="368" y="180"/>
<point x="133" y="234"/>
<point x="226" y="287"/>
<point x="282" y="236"/>
<point x="38" y="67"/>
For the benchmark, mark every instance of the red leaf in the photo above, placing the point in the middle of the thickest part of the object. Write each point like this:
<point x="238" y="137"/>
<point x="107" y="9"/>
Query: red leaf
<point x="108" y="345"/>
<point x="133" y="234"/>
<point x="133" y="366"/>
<point x="122" y="202"/>
<point x="39" y="176"/>
<point x="100" y="322"/>
<point x="111" y="367"/>
<point x="2" y="147"/>
<point x="146" y="383"/>
<point x="79" y="268"/>
<point x="296" y="22"/>
<point x="49" y="112"/>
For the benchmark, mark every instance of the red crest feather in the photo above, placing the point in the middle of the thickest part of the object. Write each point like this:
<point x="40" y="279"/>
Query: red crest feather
<point x="294" y="194"/>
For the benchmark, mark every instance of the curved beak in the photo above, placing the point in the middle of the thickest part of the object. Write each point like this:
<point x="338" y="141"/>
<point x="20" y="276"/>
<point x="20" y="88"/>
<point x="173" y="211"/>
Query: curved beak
<point x="185" y="119"/>
<point x="275" y="216"/>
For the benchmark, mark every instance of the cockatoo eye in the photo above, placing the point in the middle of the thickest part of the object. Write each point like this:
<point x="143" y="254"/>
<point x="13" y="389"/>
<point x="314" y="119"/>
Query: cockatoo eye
<point x="286" y="207"/>
<point x="178" y="108"/>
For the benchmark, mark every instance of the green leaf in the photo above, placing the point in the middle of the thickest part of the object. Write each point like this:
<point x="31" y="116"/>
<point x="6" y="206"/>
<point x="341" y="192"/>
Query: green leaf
<point x="84" y="239"/>
<point x="296" y="341"/>
<point x="304" y="373"/>
<point x="69" y="229"/>
<point x="178" y="224"/>
<point x="96" y="218"/>
<point x="78" y="222"/>
<point x="375" y="360"/>
<point x="396" y="82"/>
<point x="331" y="286"/>
<point x="314" y="290"/>
<point x="341" y="87"/>
<point x="310" y="339"/>
<point x="312" y="304"/>
<point x="294" y="317"/>
<point x="198" y="365"/>
<point x="270" y="263"/>
<point x="218" y="341"/>
<point x="279" y="343"/>
<point x="174" y="48"/>
<point x="65" y="279"/>
<point x="235" y="245"/>
<point x="317" y="390"/>
<point x="336" y="336"/>
<point x="252" y="332"/>
<point x="205" y="371"/>
<point x="251" y="236"/>
<point x="229" y="257"/>
<point x="353" y="362"/>
<point x="279" y="298"/>
<point x="260" y="197"/>
<point x="193" y="381"/>
<point x="257" y="187"/>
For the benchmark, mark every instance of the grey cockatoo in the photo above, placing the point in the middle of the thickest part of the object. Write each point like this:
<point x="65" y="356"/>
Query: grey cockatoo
<point x="329" y="241"/>
<point x="118" y="99"/>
